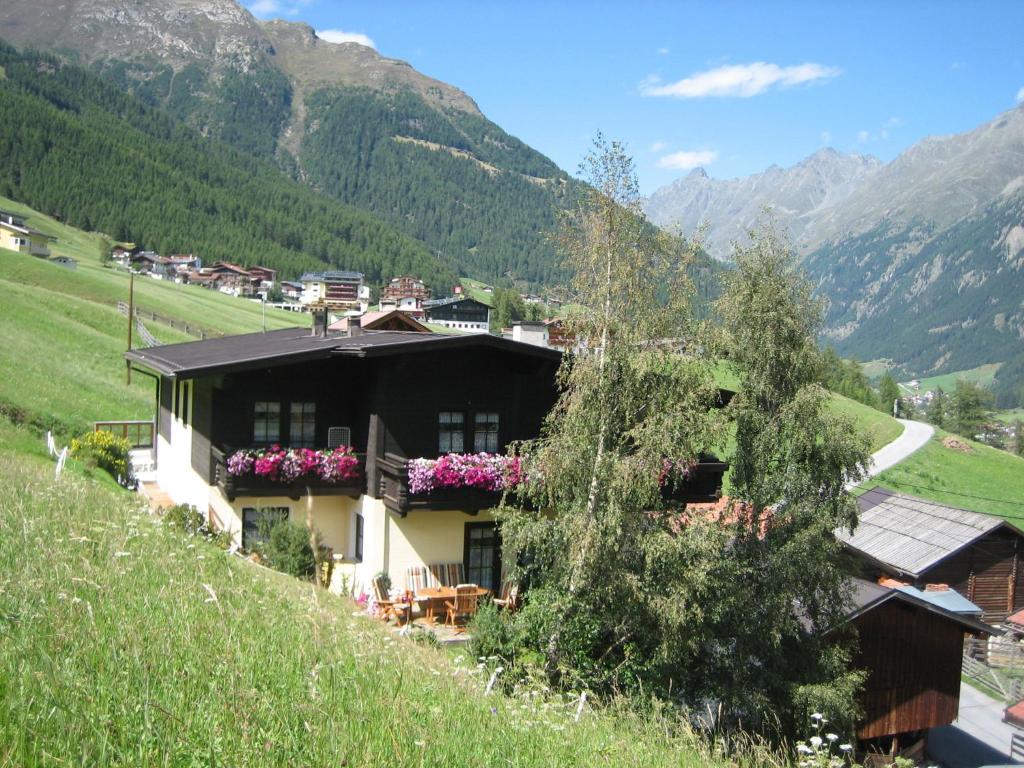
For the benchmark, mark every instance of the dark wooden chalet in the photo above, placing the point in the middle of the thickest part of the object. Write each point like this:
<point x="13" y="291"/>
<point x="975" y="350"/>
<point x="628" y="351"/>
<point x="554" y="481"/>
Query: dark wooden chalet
<point x="912" y="649"/>
<point x="922" y="542"/>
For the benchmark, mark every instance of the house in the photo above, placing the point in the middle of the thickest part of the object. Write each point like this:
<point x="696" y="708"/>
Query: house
<point x="16" y="235"/>
<point x="392" y="395"/>
<point x="336" y="290"/>
<point x="910" y="642"/>
<point x="530" y="332"/>
<point x="266" y="277"/>
<point x="123" y="256"/>
<point x="923" y="542"/>
<point x="291" y="291"/>
<point x="459" y="312"/>
<point x="405" y="293"/>
<point x="232" y="279"/>
<point x="152" y="264"/>
<point x="393" y="320"/>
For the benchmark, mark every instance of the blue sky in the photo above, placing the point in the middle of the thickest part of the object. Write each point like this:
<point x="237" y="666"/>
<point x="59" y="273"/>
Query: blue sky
<point x="731" y="86"/>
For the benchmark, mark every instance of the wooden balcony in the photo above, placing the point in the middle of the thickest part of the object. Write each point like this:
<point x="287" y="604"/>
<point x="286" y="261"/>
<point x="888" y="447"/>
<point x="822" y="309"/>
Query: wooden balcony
<point x="250" y="485"/>
<point x="393" y="489"/>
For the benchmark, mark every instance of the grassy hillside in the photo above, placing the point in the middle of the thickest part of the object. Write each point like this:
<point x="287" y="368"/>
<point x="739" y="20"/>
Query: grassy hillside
<point x="983" y="376"/>
<point x="230" y="664"/>
<point x="63" y="337"/>
<point x="881" y="428"/>
<point x="75" y="145"/>
<point x="985" y="479"/>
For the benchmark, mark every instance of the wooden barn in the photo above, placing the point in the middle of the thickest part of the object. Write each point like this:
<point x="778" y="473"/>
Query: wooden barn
<point x="921" y="542"/>
<point x="911" y="645"/>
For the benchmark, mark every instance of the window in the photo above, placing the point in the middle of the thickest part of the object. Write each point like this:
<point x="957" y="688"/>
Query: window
<point x="266" y="422"/>
<point x="302" y="432"/>
<point x="256" y="522"/>
<point x="483" y="555"/>
<point x="485" y="432"/>
<point x="451" y="429"/>
<point x="185" y="388"/>
<point x="359" y="537"/>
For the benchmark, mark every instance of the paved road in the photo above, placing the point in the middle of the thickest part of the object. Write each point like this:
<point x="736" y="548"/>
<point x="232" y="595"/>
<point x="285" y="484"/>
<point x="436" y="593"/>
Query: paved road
<point x="915" y="435"/>
<point x="979" y="737"/>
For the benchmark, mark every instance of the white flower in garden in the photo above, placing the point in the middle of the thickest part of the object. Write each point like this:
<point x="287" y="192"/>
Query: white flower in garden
<point x="815" y="741"/>
<point x="846" y="747"/>
<point x="831" y="737"/>
<point x="817" y="716"/>
<point x="803" y="749"/>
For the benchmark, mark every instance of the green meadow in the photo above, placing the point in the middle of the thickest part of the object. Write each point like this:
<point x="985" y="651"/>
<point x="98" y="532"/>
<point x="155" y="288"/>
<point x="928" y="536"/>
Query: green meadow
<point x="126" y="643"/>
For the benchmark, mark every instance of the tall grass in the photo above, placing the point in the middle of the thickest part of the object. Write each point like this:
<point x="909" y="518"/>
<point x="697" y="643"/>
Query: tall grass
<point x="124" y="642"/>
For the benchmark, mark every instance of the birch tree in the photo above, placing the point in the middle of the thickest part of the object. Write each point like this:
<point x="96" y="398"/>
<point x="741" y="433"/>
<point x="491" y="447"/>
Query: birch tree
<point x="608" y="596"/>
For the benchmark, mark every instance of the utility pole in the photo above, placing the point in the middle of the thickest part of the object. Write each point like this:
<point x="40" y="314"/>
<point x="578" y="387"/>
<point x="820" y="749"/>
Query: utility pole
<point x="131" y="318"/>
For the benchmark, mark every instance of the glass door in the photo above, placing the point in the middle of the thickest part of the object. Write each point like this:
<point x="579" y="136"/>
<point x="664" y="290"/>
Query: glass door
<point x="483" y="555"/>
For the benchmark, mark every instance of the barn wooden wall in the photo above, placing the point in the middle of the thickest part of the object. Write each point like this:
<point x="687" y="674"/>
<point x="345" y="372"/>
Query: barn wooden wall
<point x="987" y="573"/>
<point x="913" y="657"/>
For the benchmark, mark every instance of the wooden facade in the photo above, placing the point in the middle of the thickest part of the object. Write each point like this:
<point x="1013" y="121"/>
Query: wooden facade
<point x="913" y="658"/>
<point x="988" y="573"/>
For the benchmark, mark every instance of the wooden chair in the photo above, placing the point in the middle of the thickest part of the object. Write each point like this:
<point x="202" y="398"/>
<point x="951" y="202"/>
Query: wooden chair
<point x="509" y="599"/>
<point x="389" y="607"/>
<point x="418" y="578"/>
<point x="464" y="606"/>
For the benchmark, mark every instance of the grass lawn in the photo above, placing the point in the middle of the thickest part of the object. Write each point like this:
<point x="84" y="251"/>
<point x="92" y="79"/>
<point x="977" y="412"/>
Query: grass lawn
<point x="1010" y="415"/>
<point x="64" y="339"/>
<point x="982" y="376"/>
<point x="126" y="643"/>
<point x="881" y="428"/>
<point x="985" y="480"/>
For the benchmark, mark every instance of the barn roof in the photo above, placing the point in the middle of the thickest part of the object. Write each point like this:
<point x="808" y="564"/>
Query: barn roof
<point x="867" y="595"/>
<point x="908" y="535"/>
<point x="296" y="345"/>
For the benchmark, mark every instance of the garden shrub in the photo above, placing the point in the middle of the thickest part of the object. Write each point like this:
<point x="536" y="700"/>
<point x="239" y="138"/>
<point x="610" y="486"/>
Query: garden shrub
<point x="184" y="516"/>
<point x="106" y="451"/>
<point x="286" y="548"/>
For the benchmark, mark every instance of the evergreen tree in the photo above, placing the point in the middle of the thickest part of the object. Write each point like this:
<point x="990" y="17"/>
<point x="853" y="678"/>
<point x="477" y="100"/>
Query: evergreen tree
<point x="1018" y="437"/>
<point x="937" y="408"/>
<point x="888" y="393"/>
<point x="969" y="408"/>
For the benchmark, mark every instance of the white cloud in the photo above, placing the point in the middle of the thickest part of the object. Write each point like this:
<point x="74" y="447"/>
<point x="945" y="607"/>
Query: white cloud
<point x="341" y="36"/>
<point x="826" y="137"/>
<point x="739" y="80"/>
<point x="685" y="160"/>
<point x="663" y="51"/>
<point x="863" y="136"/>
<point x="1020" y="95"/>
<point x="658" y="146"/>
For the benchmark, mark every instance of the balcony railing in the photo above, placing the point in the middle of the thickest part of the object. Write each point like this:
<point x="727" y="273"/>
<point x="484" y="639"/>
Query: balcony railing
<point x="138" y="433"/>
<point x="704" y="485"/>
<point x="233" y="486"/>
<point x="393" y="489"/>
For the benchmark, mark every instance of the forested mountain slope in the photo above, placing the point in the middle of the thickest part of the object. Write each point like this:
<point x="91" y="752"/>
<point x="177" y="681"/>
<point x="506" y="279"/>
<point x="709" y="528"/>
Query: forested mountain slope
<point x="357" y="126"/>
<point x="73" y="145"/>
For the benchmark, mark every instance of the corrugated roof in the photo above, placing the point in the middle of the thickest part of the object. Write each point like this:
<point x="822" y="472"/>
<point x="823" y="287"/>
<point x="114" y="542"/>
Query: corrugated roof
<point x="295" y="345"/>
<point x="334" y="274"/>
<point x="909" y="535"/>
<point x="867" y="595"/>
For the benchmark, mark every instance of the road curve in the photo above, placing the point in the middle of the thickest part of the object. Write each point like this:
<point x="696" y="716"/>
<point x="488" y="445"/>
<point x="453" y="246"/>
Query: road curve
<point x="915" y="435"/>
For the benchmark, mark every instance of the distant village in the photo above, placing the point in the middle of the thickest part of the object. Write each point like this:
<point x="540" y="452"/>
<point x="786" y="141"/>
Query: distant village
<point x="405" y="303"/>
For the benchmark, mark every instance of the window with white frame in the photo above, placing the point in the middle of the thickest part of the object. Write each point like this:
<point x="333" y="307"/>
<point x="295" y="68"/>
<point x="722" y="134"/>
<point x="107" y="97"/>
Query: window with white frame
<point x="266" y="422"/>
<point x="302" y="428"/>
<point x="485" y="432"/>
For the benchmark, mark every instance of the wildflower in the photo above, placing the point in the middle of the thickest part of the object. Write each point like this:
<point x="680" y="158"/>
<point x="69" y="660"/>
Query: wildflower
<point x="817" y="716"/>
<point x="831" y="737"/>
<point x="846" y="747"/>
<point x="122" y="554"/>
<point x="420" y="743"/>
<point x="815" y="741"/>
<point x="803" y="749"/>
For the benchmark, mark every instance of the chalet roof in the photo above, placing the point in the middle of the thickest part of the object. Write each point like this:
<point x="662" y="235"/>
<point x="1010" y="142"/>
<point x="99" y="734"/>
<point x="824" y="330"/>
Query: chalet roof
<point x="908" y="535"/>
<point x="431" y="303"/>
<point x="372" y="320"/>
<point x="24" y="229"/>
<point x="336" y="274"/>
<point x="867" y="595"/>
<point x="289" y="346"/>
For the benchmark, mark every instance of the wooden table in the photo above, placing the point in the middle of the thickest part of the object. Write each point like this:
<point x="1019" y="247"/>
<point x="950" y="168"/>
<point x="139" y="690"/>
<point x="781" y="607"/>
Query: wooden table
<point x="435" y="598"/>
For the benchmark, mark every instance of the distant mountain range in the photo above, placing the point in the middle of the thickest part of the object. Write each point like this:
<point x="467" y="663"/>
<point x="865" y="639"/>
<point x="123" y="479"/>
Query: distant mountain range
<point x="920" y="258"/>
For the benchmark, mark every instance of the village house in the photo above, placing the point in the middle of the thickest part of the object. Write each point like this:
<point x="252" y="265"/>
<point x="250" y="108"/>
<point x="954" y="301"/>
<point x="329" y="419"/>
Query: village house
<point x="389" y="320"/>
<point x="921" y="542"/>
<point x="459" y="312"/>
<point x="291" y="291"/>
<point x="405" y="293"/>
<point x="152" y="264"/>
<point x="335" y="290"/>
<point x="16" y="235"/>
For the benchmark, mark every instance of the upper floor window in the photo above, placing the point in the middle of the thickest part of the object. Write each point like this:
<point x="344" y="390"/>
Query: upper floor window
<point x="451" y="430"/>
<point x="302" y="432"/>
<point x="266" y="422"/>
<point x="485" y="432"/>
